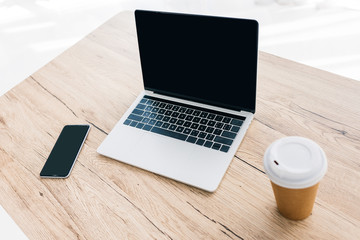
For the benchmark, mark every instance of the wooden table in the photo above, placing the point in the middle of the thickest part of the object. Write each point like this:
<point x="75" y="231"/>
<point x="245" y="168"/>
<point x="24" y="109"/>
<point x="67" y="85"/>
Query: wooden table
<point x="96" y="80"/>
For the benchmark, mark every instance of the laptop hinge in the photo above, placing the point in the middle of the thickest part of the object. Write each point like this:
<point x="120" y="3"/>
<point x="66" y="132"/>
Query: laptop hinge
<point x="149" y="92"/>
<point x="155" y="92"/>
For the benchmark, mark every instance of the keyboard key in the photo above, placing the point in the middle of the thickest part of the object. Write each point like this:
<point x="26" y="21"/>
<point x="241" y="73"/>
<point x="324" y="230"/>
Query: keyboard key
<point x="236" y="122"/>
<point x="165" y="125"/>
<point x="216" y="146"/>
<point x="146" y="114"/>
<point x="209" y="129"/>
<point x="203" y="114"/>
<point x="172" y="127"/>
<point x="137" y="111"/>
<point x="217" y="132"/>
<point x="194" y="133"/>
<point x="180" y="129"/>
<point x="161" y="111"/>
<point x="196" y="113"/>
<point x="173" y="120"/>
<point x="208" y="144"/>
<point x="175" y="108"/>
<point x="204" y="121"/>
<point x="158" y="123"/>
<point x="218" y="118"/>
<point x="210" y="137"/>
<point x="127" y="122"/>
<point x="153" y="115"/>
<point x="191" y="139"/>
<point x="188" y="131"/>
<point x="189" y="111"/>
<point x="228" y="134"/>
<point x="196" y="119"/>
<point x="182" y="116"/>
<point x="200" y="142"/>
<point x="146" y="120"/>
<point x="219" y="125"/>
<point x="189" y="118"/>
<point x="211" y="123"/>
<point x="211" y="116"/>
<point x="135" y="117"/>
<point x="140" y="125"/>
<point x="182" y="110"/>
<point x="202" y="128"/>
<point x="155" y="110"/>
<point x="147" y="127"/>
<point x="175" y="114"/>
<point x="168" y="113"/>
<point x="202" y="135"/>
<point x="162" y="105"/>
<point x="152" y="122"/>
<point x="194" y="126"/>
<point x="227" y="127"/>
<point x="149" y="108"/>
<point x="226" y="120"/>
<point x="187" y="124"/>
<point x="166" y="119"/>
<point x="224" y="148"/>
<point x="169" y="106"/>
<point x="141" y="106"/>
<point x="133" y="123"/>
<point x="180" y="122"/>
<point x="168" y="133"/>
<point x="149" y="102"/>
<point x="159" y="117"/>
<point x="223" y="140"/>
<point x="155" y="103"/>
<point x="143" y="100"/>
<point x="235" y="129"/>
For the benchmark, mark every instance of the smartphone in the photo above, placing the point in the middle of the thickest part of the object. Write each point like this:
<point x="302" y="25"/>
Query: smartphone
<point x="65" y="151"/>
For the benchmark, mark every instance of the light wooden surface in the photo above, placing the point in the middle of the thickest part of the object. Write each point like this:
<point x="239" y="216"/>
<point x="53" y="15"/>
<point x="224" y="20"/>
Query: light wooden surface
<point x="96" y="80"/>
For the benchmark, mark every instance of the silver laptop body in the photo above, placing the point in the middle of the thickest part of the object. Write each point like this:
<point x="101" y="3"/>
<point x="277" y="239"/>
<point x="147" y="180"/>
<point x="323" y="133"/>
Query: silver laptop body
<point x="199" y="77"/>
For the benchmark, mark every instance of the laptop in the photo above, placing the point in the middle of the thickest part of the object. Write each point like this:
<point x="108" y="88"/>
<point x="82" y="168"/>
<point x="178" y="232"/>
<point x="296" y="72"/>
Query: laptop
<point x="199" y="75"/>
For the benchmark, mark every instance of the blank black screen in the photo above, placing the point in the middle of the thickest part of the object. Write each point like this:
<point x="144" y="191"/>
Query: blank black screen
<point x="65" y="150"/>
<point x="202" y="58"/>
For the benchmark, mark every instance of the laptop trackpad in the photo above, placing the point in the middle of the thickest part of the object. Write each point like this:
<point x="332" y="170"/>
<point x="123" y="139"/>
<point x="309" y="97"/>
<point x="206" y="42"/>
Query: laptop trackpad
<point x="164" y="155"/>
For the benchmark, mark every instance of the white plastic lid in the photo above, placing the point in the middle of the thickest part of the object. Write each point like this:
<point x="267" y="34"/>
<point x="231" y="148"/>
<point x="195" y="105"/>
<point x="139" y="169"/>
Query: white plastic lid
<point x="295" y="162"/>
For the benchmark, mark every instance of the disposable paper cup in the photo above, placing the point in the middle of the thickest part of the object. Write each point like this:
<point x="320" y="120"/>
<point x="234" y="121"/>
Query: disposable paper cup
<point x="295" y="166"/>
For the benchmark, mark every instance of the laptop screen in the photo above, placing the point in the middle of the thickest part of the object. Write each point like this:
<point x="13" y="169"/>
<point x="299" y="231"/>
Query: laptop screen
<point x="207" y="59"/>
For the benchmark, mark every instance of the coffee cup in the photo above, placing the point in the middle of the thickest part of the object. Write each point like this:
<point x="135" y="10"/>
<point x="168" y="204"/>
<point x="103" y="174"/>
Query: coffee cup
<point x="295" y="166"/>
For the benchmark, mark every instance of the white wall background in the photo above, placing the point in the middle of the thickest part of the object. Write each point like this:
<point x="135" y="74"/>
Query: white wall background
<point x="321" y="33"/>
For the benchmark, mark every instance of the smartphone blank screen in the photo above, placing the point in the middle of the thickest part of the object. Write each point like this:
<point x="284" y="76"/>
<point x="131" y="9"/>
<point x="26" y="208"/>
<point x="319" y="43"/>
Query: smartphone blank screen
<point x="65" y="151"/>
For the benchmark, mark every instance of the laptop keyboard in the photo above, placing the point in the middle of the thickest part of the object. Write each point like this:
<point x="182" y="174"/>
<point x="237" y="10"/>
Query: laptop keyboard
<point x="192" y="124"/>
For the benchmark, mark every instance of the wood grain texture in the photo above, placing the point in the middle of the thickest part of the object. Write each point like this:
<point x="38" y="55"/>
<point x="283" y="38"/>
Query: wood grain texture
<point x="95" y="82"/>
